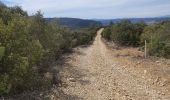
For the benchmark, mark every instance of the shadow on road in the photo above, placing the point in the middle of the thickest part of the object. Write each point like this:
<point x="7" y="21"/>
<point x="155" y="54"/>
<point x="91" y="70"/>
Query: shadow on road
<point x="70" y="73"/>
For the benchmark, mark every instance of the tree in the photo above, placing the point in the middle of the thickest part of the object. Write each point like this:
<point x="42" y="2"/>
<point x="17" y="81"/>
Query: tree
<point x="18" y="10"/>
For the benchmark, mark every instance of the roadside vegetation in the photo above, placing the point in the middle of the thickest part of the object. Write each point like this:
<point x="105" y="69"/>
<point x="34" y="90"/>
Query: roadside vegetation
<point x="127" y="33"/>
<point x="28" y="45"/>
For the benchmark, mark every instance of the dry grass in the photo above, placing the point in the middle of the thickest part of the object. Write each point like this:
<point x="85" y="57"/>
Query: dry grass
<point x="156" y="70"/>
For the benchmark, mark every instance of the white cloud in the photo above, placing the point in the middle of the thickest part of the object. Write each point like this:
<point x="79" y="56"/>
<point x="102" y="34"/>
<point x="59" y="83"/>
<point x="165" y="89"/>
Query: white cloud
<point x="59" y="5"/>
<point x="96" y="8"/>
<point x="62" y="4"/>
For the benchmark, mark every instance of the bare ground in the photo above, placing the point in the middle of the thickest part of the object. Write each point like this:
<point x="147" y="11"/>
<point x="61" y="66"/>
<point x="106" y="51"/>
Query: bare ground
<point x="107" y="72"/>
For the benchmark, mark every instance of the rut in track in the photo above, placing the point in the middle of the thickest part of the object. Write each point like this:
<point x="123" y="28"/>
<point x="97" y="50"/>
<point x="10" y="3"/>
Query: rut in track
<point x="92" y="74"/>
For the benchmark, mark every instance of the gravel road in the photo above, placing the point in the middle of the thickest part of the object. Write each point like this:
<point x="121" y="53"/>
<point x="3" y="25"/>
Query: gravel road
<point x="91" y="73"/>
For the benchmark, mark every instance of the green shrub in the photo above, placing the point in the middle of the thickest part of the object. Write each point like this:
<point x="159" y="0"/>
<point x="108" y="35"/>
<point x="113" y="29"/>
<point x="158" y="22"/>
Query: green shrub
<point x="29" y="45"/>
<point x="107" y="33"/>
<point x="2" y="52"/>
<point x="5" y="86"/>
<point x="124" y="32"/>
<point x="158" y="38"/>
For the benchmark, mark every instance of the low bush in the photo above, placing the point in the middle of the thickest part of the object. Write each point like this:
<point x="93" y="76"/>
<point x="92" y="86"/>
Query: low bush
<point x="134" y="34"/>
<point x="158" y="39"/>
<point x="28" y="46"/>
<point x="124" y="33"/>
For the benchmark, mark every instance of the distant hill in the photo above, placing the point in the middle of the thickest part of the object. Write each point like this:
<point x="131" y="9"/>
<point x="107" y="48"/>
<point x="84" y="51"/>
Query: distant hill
<point x="84" y="23"/>
<point x="134" y="20"/>
<point x="75" y="22"/>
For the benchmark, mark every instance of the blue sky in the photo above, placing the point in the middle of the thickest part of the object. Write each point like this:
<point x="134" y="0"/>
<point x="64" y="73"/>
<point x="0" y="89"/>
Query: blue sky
<point x="99" y="9"/>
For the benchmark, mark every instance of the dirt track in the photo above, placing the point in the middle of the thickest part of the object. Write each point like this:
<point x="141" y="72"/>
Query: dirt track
<point x="91" y="73"/>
